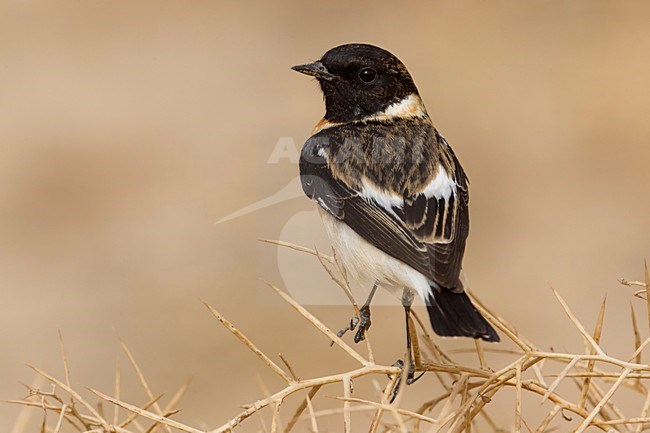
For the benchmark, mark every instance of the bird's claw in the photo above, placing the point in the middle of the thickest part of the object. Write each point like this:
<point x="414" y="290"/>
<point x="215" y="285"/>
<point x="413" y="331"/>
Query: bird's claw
<point x="409" y="378"/>
<point x="364" y="324"/>
<point x="349" y="327"/>
<point x="362" y="320"/>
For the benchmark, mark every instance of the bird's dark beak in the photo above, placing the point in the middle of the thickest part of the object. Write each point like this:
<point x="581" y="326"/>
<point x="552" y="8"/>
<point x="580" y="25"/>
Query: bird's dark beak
<point x="316" y="69"/>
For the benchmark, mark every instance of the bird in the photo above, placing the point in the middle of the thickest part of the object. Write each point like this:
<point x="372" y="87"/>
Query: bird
<point x="392" y="194"/>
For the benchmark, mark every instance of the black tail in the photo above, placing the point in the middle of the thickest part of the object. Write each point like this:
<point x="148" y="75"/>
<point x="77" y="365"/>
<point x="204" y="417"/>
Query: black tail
<point x="453" y="315"/>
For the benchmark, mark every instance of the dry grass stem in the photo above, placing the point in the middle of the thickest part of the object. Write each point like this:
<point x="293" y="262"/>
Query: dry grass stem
<point x="644" y="412"/>
<point x="481" y="353"/>
<point x="577" y="324"/>
<point x="646" y="276"/>
<point x="146" y="414"/>
<point x="518" y="417"/>
<point x="143" y="381"/>
<point x="347" y="392"/>
<point x="118" y="393"/>
<point x="312" y="414"/>
<point x="602" y="402"/>
<point x="285" y="361"/>
<point x="298" y="248"/>
<point x="134" y="415"/>
<point x="460" y="404"/>
<point x="637" y="337"/>
<point x="64" y="357"/>
<point x="320" y="326"/>
<point x="374" y="425"/>
<point x="548" y="418"/>
<point x="73" y="394"/>
<point x="388" y="407"/>
<point x="590" y="364"/>
<point x="276" y="417"/>
<point x="305" y="404"/>
<point x="177" y="397"/>
<point x="265" y="359"/>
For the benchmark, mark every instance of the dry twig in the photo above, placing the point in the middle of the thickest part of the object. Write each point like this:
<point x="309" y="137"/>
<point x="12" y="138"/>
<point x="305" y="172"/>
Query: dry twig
<point x="465" y="394"/>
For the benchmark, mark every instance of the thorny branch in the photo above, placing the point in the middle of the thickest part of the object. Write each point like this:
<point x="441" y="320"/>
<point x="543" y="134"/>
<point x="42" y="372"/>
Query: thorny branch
<point x="465" y="394"/>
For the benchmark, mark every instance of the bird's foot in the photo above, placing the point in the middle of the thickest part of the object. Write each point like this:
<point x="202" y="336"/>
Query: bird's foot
<point x="363" y="321"/>
<point x="364" y="324"/>
<point x="406" y="376"/>
<point x="352" y="324"/>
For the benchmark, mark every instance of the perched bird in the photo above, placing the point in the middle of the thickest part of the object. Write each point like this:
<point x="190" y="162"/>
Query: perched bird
<point x="391" y="193"/>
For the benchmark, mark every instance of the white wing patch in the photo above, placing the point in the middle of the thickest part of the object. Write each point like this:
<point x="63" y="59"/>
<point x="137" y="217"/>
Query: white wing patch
<point x="371" y="193"/>
<point x="442" y="186"/>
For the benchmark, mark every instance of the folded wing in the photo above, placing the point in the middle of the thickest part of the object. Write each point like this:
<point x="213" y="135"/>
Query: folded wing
<point x="426" y="230"/>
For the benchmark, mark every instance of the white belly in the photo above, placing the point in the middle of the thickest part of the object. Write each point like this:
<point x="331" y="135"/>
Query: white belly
<point x="366" y="264"/>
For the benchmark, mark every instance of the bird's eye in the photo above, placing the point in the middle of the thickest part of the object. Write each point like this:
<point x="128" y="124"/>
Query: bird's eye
<point x="367" y="75"/>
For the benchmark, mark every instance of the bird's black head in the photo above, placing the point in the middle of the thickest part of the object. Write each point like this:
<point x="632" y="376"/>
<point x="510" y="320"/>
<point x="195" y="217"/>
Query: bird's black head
<point x="360" y="81"/>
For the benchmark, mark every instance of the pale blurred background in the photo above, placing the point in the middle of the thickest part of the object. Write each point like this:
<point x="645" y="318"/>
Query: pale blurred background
<point x="127" y="129"/>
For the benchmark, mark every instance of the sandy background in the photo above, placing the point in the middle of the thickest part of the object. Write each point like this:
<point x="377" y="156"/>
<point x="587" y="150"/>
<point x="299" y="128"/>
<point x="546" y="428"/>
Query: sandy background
<point x="128" y="128"/>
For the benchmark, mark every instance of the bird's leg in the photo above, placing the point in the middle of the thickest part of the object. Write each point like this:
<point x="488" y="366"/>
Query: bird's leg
<point x="364" y="315"/>
<point x="407" y="300"/>
<point x="363" y="320"/>
<point x="410" y="377"/>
